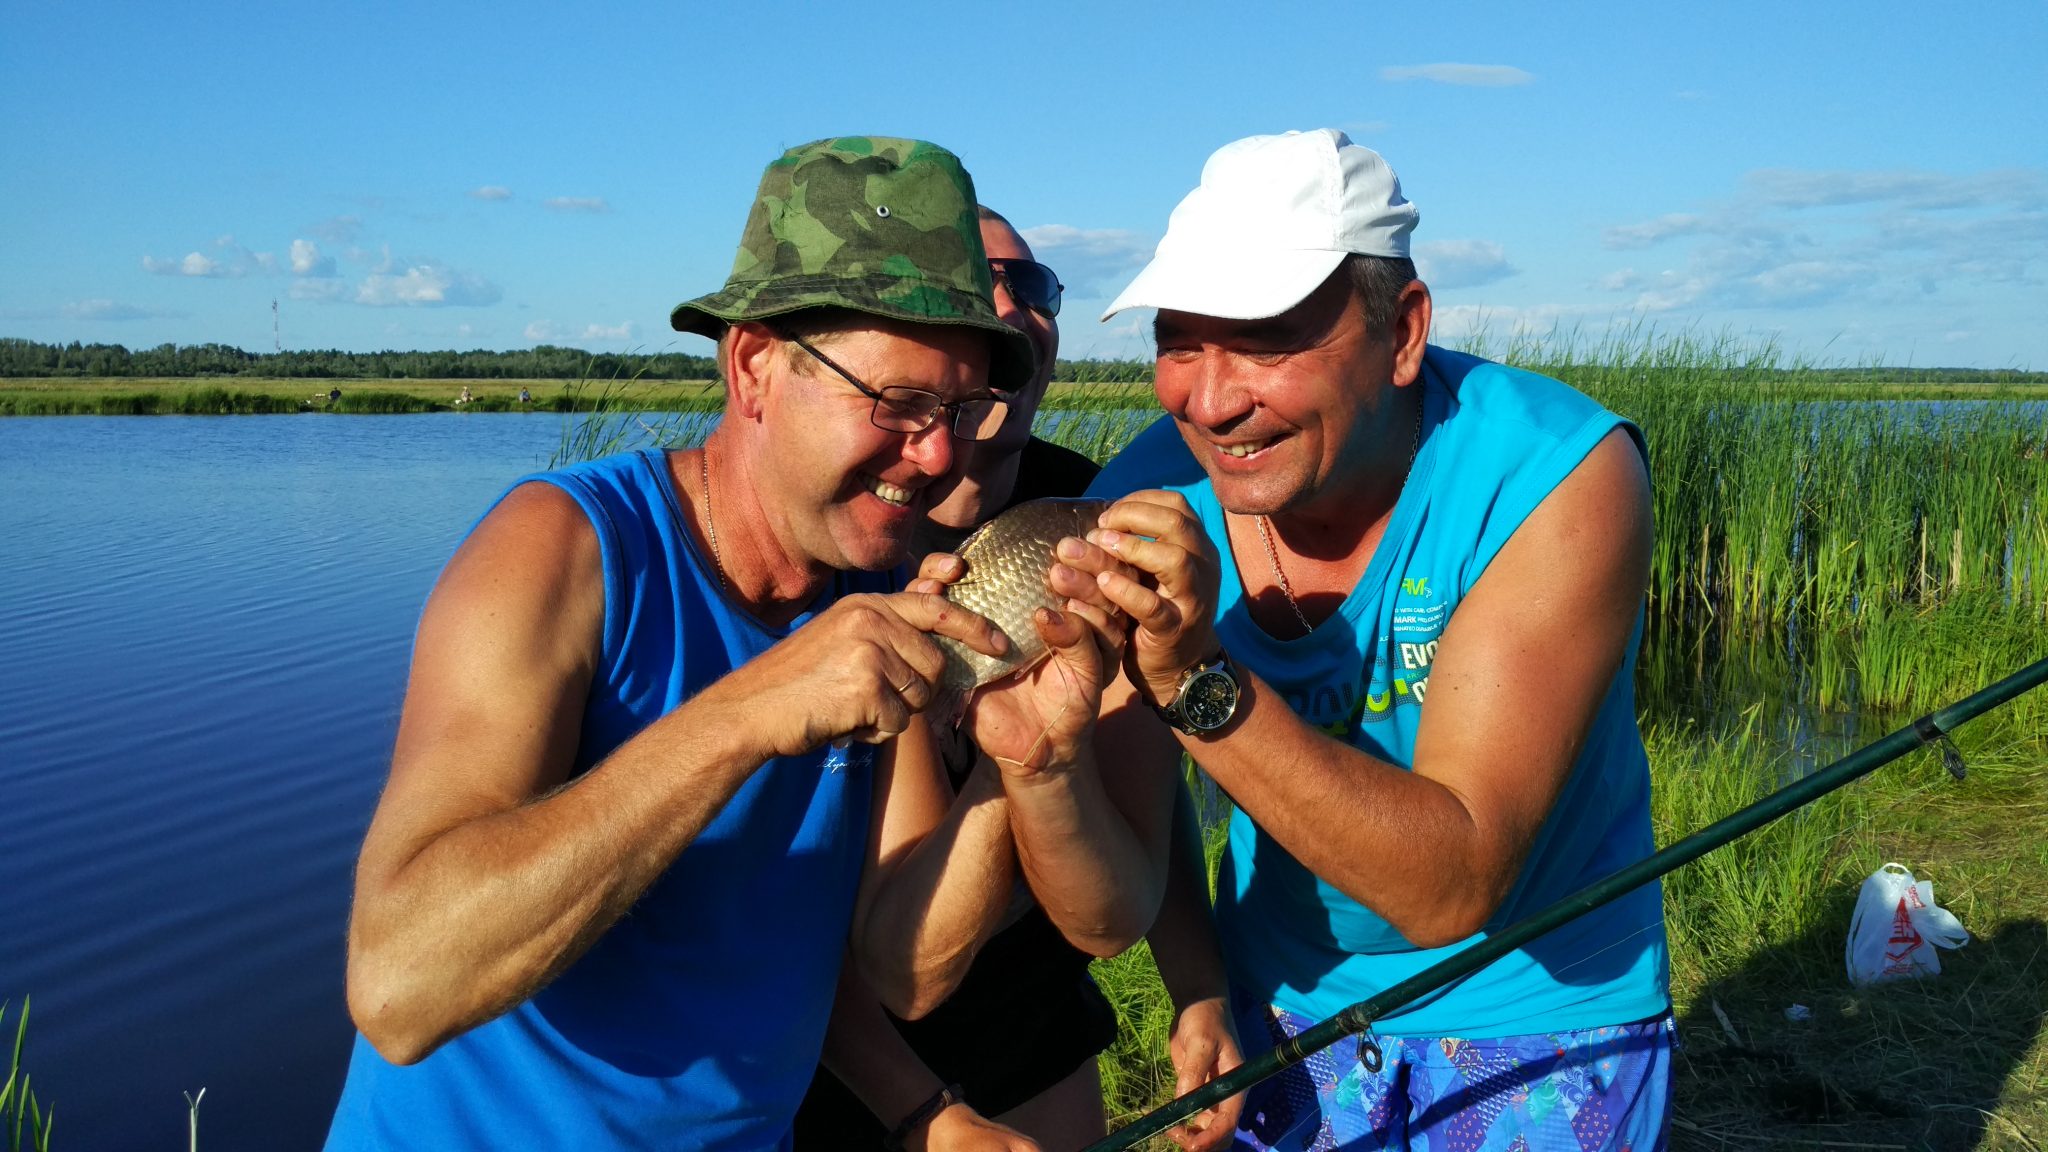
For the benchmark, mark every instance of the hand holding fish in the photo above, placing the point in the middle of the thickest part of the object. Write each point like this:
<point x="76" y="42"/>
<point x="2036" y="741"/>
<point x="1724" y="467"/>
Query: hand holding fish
<point x="1173" y="604"/>
<point x="859" y="671"/>
<point x="1029" y="571"/>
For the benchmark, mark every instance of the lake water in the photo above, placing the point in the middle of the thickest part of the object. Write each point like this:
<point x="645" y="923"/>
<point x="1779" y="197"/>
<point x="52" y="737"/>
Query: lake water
<point x="204" y="629"/>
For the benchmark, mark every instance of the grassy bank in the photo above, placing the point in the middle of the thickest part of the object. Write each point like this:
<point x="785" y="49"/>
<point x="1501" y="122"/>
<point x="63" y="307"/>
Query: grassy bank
<point x="1952" y="1062"/>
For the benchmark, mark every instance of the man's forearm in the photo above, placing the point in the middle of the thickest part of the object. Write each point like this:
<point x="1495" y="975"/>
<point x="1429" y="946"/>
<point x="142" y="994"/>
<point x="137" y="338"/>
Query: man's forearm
<point x="1398" y="843"/>
<point x="483" y="914"/>
<point x="937" y="904"/>
<point x="870" y="1057"/>
<point x="1094" y="875"/>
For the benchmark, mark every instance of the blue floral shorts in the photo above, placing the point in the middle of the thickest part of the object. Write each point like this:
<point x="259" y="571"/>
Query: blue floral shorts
<point x="1604" y="1089"/>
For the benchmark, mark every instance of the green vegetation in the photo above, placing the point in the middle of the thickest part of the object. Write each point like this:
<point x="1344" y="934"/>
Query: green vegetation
<point x="21" y="1115"/>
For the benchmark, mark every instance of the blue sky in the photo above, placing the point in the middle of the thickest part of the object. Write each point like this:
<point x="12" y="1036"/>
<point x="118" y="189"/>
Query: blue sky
<point x="1859" y="183"/>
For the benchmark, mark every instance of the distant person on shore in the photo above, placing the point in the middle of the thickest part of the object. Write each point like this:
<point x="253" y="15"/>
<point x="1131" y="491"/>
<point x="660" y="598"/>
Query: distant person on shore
<point x="1393" y="600"/>
<point x="525" y="397"/>
<point x="464" y="398"/>
<point x="1028" y="985"/>
<point x="333" y="395"/>
<point x="660" y="762"/>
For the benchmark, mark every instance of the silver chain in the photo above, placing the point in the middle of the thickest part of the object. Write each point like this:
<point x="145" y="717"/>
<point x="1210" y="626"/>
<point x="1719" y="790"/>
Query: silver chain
<point x="711" y="526"/>
<point x="1273" y="555"/>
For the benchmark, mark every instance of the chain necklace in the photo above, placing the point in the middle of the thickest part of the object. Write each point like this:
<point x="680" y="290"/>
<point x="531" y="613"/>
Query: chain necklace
<point x="710" y="526"/>
<point x="1273" y="555"/>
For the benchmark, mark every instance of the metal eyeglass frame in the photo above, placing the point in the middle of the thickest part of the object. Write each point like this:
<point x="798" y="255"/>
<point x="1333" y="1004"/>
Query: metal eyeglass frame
<point x="894" y="392"/>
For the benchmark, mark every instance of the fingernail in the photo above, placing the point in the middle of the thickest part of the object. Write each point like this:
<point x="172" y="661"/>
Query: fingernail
<point x="1072" y="549"/>
<point x="999" y="642"/>
<point x="1107" y="537"/>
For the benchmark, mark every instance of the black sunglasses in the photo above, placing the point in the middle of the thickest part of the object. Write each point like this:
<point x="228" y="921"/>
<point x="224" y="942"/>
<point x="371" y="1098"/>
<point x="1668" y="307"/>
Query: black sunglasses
<point x="1030" y="283"/>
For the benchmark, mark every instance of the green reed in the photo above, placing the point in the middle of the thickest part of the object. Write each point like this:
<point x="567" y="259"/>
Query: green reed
<point x="21" y="1114"/>
<point x="1776" y="497"/>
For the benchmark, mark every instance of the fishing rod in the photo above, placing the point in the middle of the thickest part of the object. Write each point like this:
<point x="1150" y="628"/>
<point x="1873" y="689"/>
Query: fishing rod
<point x="1357" y="1020"/>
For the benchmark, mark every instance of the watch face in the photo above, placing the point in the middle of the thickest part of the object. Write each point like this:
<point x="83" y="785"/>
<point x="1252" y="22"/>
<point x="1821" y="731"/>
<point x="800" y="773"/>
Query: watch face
<point x="1209" y="700"/>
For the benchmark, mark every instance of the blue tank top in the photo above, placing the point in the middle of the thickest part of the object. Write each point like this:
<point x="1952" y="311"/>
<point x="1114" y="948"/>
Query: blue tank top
<point x="1496" y="441"/>
<point x="695" y="1022"/>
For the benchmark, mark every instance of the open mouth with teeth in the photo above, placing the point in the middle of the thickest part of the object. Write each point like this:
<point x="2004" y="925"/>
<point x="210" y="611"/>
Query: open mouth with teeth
<point x="889" y="493"/>
<point x="1246" y="448"/>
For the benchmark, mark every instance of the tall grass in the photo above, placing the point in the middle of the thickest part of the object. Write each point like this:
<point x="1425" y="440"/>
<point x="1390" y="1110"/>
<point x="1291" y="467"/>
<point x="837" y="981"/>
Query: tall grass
<point x="1774" y="499"/>
<point x="21" y="1114"/>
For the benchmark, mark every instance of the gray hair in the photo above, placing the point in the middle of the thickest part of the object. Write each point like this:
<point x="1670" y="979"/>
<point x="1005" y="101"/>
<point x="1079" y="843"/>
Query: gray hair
<point x="1378" y="281"/>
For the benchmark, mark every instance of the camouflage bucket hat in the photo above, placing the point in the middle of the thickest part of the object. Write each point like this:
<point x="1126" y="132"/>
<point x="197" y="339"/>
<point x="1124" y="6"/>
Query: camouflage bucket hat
<point x="868" y="223"/>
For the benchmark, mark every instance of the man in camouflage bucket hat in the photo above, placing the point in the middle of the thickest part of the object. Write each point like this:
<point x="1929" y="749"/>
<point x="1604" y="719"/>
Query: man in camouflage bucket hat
<point x="872" y="224"/>
<point x="685" y="685"/>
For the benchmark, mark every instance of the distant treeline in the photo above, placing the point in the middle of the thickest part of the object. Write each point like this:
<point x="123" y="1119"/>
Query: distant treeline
<point x="27" y="358"/>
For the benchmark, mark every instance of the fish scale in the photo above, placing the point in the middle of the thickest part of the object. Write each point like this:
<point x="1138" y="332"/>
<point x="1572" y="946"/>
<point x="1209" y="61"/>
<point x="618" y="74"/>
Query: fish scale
<point x="1008" y="560"/>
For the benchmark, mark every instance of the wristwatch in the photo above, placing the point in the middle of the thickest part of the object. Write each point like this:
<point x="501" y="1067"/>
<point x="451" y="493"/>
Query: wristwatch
<point x="1205" y="700"/>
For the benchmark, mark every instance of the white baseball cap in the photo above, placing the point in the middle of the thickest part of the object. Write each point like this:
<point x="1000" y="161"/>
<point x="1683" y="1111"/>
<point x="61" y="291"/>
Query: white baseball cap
<point x="1271" y="219"/>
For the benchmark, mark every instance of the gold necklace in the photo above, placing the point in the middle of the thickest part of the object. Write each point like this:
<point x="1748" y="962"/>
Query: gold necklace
<point x="711" y="526"/>
<point x="1273" y="555"/>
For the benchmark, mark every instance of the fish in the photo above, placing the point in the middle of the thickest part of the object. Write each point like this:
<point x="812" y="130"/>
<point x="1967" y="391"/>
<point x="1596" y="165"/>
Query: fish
<point x="1008" y="562"/>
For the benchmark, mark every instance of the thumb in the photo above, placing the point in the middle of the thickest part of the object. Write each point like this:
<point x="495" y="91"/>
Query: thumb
<point x="1065" y="633"/>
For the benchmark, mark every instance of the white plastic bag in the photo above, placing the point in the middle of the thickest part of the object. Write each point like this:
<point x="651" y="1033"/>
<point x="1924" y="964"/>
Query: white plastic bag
<point x="1897" y="927"/>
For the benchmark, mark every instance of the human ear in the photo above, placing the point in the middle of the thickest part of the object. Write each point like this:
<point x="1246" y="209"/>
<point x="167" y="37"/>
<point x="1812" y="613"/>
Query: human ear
<point x="750" y="356"/>
<point x="1410" y="332"/>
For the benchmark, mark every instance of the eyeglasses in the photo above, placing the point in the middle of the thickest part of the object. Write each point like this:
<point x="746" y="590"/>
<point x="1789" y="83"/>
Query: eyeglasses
<point x="1030" y="283"/>
<point x="899" y="409"/>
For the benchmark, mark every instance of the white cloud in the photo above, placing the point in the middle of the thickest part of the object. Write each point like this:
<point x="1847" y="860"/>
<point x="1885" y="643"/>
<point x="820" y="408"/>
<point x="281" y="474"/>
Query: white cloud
<point x="591" y="204"/>
<point x="1451" y="264"/>
<point x="492" y="192"/>
<point x="1464" y="75"/>
<point x="1621" y="280"/>
<point x="1092" y="262"/>
<point x="549" y="332"/>
<point x="428" y="284"/>
<point x="325" y="291"/>
<point x="194" y="264"/>
<point x="234" y="260"/>
<point x="307" y="260"/>
<point x="1799" y="239"/>
<point x="101" y="309"/>
<point x="1645" y="234"/>
<point x="1932" y="191"/>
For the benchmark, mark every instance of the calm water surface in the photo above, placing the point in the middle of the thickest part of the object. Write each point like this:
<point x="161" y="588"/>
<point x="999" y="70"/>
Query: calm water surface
<point x="204" y="628"/>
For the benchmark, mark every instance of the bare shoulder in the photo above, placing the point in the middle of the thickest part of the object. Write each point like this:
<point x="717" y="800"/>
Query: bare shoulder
<point x="1529" y="654"/>
<point x="506" y="647"/>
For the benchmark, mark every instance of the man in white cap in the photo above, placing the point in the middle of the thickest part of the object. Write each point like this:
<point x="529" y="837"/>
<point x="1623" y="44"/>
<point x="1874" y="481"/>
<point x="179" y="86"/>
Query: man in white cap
<point x="1392" y="600"/>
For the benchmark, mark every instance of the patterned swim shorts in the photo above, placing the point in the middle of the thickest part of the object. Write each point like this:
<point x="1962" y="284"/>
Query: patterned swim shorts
<point x="1605" y="1089"/>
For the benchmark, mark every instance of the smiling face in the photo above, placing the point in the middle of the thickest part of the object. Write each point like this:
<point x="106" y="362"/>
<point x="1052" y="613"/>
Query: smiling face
<point x="1282" y="412"/>
<point x="838" y="491"/>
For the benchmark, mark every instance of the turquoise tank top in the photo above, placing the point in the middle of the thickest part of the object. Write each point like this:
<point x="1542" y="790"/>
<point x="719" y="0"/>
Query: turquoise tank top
<point x="1496" y="441"/>
<point x="695" y="1022"/>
